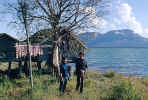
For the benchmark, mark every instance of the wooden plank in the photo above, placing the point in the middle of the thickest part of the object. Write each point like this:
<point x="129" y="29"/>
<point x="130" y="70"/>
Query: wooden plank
<point x="8" y="60"/>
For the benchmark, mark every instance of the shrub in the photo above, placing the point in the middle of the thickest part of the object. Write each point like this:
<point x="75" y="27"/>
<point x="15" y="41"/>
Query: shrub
<point x="109" y="74"/>
<point x="145" y="82"/>
<point x="122" y="91"/>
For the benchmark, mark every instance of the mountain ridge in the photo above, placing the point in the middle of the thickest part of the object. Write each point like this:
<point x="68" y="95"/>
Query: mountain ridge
<point x="115" y="38"/>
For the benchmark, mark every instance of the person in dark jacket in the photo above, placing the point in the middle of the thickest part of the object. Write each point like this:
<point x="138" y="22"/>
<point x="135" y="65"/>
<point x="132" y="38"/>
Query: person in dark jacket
<point x="81" y="66"/>
<point x="64" y="75"/>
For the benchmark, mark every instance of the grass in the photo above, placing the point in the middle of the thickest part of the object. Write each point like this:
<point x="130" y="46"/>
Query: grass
<point x="123" y="91"/>
<point x="98" y="86"/>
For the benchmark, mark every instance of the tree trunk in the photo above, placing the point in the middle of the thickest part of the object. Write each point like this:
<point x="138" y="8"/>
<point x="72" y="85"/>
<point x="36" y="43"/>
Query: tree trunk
<point x="28" y="54"/>
<point x="56" y="62"/>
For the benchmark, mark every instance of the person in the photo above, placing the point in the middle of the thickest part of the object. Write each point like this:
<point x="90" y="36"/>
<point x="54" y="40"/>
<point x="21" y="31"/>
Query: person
<point x="64" y="75"/>
<point x="81" y="67"/>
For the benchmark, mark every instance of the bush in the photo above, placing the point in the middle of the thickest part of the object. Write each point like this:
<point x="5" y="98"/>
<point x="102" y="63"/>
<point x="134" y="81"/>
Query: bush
<point x="109" y="74"/>
<point x="122" y="91"/>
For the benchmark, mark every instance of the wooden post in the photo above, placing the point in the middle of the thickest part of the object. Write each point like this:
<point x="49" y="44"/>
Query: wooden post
<point x="9" y="67"/>
<point x="39" y="64"/>
<point x="25" y="68"/>
<point x="20" y="67"/>
<point x="49" y="62"/>
<point x="39" y="67"/>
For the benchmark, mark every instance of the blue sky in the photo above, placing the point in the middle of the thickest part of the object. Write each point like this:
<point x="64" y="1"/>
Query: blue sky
<point x="130" y="14"/>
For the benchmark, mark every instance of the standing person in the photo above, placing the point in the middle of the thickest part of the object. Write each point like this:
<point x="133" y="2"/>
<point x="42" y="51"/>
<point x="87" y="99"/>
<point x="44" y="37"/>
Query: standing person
<point x="64" y="75"/>
<point x="81" y="66"/>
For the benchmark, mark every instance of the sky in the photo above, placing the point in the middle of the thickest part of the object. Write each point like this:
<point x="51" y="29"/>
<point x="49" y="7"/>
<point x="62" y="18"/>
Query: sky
<point x="123" y="14"/>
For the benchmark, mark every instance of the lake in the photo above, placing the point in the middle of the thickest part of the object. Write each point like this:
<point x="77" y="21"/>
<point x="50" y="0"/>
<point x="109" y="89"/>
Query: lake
<point x="129" y="61"/>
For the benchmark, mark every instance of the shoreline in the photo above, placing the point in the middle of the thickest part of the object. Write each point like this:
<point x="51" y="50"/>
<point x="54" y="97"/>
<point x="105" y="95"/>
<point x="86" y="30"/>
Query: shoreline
<point x="119" y="73"/>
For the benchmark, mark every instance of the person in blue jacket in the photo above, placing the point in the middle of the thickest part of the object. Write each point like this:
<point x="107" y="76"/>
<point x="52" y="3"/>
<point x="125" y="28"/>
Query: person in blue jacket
<point x="64" y="75"/>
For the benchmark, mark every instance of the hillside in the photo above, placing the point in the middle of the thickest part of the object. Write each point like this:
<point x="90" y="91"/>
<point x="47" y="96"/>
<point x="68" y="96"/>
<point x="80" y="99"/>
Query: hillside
<point x="115" y="38"/>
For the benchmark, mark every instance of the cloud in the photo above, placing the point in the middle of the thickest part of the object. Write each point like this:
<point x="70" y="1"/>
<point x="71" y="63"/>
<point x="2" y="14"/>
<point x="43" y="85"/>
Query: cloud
<point x="123" y="18"/>
<point x="120" y="16"/>
<point x="146" y="31"/>
<point x="126" y="19"/>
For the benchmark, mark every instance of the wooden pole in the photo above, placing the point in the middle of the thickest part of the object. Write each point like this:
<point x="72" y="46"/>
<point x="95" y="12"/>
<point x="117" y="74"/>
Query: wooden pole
<point x="20" y="67"/>
<point x="28" y="43"/>
<point x="9" y="67"/>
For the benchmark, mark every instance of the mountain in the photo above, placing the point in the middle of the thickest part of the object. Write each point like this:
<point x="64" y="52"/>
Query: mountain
<point x="115" y="38"/>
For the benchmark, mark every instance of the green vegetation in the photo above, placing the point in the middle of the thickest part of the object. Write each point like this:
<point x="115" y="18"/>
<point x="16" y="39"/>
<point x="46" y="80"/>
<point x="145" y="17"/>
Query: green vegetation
<point x="98" y="86"/>
<point x="122" y="91"/>
<point x="109" y="74"/>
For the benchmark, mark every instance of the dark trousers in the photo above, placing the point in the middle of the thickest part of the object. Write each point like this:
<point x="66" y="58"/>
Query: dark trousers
<point x="80" y="80"/>
<point x="63" y="85"/>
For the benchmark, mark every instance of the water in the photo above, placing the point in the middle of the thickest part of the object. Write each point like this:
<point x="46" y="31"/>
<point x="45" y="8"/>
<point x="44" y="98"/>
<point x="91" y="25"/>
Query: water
<point x="129" y="61"/>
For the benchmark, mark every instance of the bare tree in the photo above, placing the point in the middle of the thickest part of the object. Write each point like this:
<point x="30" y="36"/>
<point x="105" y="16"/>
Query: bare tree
<point x="21" y="9"/>
<point x="72" y="14"/>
